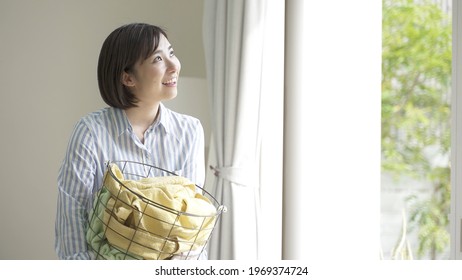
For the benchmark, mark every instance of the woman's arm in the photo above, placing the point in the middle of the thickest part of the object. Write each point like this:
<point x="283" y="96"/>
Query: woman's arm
<point x="75" y="184"/>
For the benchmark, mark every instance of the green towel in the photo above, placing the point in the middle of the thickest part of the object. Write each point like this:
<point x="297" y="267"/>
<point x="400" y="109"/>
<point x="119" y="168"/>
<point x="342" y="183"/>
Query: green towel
<point x="96" y="239"/>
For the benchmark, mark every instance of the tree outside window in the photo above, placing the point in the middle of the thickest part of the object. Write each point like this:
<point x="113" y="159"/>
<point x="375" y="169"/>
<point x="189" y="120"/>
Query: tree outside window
<point x="416" y="79"/>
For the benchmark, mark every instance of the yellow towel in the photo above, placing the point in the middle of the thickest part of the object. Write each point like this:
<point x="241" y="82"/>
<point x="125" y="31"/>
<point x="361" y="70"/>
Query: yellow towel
<point x="156" y="218"/>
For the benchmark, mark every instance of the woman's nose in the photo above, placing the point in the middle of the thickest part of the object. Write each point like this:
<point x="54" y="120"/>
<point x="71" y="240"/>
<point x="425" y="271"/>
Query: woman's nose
<point x="173" y="64"/>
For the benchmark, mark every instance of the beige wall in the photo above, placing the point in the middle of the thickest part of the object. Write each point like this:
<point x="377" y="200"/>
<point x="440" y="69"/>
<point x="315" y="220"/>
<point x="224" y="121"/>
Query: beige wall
<point x="48" y="56"/>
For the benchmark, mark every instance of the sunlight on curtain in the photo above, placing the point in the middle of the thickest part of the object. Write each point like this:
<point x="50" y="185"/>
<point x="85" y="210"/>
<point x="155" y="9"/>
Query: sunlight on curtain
<point x="244" y="60"/>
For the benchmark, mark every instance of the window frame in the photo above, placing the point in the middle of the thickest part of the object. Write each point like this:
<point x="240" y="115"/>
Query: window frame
<point x="456" y="133"/>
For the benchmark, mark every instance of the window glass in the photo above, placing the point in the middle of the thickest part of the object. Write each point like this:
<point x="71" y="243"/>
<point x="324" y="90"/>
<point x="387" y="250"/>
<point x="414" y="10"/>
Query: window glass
<point x="416" y="85"/>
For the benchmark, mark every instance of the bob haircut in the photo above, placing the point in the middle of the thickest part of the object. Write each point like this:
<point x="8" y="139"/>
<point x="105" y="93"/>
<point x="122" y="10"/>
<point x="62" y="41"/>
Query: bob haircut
<point x="121" y="50"/>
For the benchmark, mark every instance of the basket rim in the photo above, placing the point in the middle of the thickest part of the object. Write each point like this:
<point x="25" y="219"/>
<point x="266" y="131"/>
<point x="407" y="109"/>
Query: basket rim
<point x="219" y="207"/>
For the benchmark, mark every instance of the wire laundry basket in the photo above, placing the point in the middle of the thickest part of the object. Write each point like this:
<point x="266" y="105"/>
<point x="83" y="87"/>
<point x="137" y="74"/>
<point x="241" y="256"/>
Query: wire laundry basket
<point x="130" y="219"/>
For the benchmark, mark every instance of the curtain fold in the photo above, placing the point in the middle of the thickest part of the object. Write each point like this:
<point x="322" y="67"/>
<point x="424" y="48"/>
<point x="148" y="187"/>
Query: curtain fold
<point x="233" y="43"/>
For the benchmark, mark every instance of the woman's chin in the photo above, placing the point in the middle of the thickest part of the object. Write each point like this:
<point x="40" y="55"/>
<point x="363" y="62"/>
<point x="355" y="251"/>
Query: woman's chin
<point x="170" y="95"/>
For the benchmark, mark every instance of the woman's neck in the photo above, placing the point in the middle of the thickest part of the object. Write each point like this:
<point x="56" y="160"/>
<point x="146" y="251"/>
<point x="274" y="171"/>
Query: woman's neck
<point x="142" y="117"/>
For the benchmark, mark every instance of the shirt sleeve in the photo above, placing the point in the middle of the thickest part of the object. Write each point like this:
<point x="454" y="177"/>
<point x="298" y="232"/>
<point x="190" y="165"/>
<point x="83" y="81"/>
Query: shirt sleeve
<point x="75" y="183"/>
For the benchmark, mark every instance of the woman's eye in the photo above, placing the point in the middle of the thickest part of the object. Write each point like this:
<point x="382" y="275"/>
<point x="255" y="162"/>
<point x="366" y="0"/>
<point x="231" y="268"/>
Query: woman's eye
<point x="157" y="58"/>
<point x="172" y="53"/>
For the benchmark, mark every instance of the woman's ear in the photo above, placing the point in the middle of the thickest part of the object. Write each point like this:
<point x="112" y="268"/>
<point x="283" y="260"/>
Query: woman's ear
<point x="128" y="79"/>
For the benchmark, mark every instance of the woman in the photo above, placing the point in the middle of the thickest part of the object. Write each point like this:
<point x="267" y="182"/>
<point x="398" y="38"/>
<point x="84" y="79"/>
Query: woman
<point x="137" y="70"/>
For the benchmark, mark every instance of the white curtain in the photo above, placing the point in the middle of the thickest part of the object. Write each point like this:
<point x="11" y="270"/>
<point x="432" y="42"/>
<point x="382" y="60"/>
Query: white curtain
<point x="233" y="41"/>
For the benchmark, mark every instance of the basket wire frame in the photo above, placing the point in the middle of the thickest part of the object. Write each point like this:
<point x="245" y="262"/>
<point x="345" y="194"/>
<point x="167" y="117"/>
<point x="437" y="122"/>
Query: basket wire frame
<point x="98" y="227"/>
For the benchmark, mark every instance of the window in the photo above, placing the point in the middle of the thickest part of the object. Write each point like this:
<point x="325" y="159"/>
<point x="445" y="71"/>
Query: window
<point x="416" y="129"/>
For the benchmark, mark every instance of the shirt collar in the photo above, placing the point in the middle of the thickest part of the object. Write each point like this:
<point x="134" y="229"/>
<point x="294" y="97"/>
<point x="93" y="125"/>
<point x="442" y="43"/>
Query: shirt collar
<point x="163" y="119"/>
<point x="121" y="122"/>
<point x="123" y="125"/>
<point x="166" y="121"/>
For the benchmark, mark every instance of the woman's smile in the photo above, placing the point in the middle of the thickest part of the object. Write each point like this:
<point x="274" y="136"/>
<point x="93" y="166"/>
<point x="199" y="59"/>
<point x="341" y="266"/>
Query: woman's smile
<point x="170" y="83"/>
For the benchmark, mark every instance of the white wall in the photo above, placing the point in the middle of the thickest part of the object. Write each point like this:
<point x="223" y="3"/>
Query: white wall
<point x="48" y="57"/>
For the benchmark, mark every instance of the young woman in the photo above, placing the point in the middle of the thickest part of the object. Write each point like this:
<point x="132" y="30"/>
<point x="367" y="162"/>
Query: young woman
<point x="137" y="70"/>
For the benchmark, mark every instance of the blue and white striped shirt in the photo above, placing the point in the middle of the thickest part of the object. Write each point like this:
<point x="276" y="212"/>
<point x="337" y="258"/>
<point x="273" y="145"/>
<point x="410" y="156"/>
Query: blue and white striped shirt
<point x="174" y="142"/>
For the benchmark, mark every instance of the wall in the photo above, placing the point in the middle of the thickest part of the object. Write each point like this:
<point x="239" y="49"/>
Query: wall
<point x="48" y="56"/>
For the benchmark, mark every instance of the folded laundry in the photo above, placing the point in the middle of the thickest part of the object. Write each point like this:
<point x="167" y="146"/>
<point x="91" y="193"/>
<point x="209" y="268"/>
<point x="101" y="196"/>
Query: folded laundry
<point x="151" y="218"/>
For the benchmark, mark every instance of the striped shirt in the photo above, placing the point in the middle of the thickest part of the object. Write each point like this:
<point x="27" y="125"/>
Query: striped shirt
<point x="174" y="142"/>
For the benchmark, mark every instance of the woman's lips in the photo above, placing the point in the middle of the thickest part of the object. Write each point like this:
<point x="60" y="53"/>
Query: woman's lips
<point x="170" y="83"/>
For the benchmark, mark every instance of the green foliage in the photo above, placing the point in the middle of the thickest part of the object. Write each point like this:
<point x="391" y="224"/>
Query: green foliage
<point x="416" y="74"/>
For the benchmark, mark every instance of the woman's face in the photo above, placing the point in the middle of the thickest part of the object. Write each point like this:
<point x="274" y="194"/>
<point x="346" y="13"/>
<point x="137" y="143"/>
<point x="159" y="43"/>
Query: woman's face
<point x="155" y="79"/>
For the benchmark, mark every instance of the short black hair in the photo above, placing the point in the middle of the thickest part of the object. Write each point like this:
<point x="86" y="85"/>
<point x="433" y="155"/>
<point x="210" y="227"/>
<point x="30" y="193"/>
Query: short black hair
<point x="121" y="50"/>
